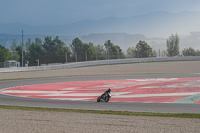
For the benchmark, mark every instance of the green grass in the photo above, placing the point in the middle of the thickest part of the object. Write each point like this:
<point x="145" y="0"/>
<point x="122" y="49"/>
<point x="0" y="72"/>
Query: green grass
<point x="180" y="115"/>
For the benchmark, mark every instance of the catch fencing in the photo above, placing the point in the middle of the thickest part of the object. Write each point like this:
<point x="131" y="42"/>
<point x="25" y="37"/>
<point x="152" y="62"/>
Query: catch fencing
<point x="77" y="57"/>
<point x="99" y="62"/>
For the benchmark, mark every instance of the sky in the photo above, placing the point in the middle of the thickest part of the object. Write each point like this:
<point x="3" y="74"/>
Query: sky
<point x="60" y="12"/>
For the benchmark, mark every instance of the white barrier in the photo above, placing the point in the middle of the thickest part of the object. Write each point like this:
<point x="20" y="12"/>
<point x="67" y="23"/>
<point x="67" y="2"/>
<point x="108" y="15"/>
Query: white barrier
<point x="100" y="62"/>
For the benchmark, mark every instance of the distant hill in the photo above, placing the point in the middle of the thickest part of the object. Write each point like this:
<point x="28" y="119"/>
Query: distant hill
<point x="156" y="24"/>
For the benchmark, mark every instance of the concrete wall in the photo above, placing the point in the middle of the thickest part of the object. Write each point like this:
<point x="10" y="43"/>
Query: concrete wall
<point x="101" y="62"/>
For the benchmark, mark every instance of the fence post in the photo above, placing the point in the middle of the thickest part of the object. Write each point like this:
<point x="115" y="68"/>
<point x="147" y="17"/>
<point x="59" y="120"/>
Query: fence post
<point x="76" y="56"/>
<point x="85" y="55"/>
<point x="159" y="52"/>
<point x="66" y="56"/>
<point x="118" y="53"/>
<point x="108" y="54"/>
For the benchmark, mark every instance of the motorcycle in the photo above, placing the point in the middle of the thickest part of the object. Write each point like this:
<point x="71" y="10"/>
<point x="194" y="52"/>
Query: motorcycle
<point x="104" y="97"/>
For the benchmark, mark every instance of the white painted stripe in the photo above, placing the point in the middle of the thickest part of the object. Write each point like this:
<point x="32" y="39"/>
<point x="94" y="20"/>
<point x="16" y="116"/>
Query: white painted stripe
<point x="84" y="94"/>
<point x="74" y="88"/>
<point x="114" y="95"/>
<point x="156" y="79"/>
<point x="160" y="94"/>
<point x="21" y="91"/>
<point x="73" y="94"/>
<point x="61" y="93"/>
<point x="71" y="99"/>
<point x="178" y="85"/>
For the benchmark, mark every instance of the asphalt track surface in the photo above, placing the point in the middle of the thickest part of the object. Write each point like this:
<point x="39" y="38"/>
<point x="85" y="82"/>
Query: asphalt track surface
<point x="117" y="106"/>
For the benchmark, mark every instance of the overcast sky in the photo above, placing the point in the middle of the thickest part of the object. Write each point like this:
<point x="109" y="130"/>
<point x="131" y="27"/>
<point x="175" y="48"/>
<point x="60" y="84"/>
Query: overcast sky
<point x="58" y="12"/>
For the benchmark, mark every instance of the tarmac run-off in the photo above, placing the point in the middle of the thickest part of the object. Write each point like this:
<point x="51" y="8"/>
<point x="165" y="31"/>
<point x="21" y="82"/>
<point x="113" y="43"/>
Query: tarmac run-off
<point x="160" y="90"/>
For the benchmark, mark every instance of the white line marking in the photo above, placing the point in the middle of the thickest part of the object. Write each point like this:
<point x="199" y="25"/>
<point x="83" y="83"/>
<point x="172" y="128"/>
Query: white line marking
<point x="25" y="91"/>
<point x="160" y="94"/>
<point x="72" y="99"/>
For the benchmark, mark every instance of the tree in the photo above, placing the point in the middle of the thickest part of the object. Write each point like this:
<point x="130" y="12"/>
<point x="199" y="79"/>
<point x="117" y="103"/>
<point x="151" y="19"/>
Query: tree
<point x="143" y="50"/>
<point x="14" y="56"/>
<point x="110" y="49"/>
<point x="13" y="46"/>
<point x="35" y="51"/>
<point x="77" y="49"/>
<point x="131" y="52"/>
<point x="13" y="53"/>
<point x="4" y="54"/>
<point x="76" y="45"/>
<point x="154" y="53"/>
<point x="120" y="54"/>
<point x="28" y="44"/>
<point x="49" y="46"/>
<point x="197" y="53"/>
<point x="100" y="52"/>
<point x="82" y="50"/>
<point x="189" y="52"/>
<point x="54" y="50"/>
<point x="53" y="47"/>
<point x="59" y="44"/>
<point x="38" y="41"/>
<point x="19" y="52"/>
<point x="173" y="45"/>
<point x="89" y="51"/>
<point x="163" y="53"/>
<point x="113" y="51"/>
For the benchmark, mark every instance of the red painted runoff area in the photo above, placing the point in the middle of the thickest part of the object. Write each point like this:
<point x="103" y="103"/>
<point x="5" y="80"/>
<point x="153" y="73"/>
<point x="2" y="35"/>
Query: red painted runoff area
<point x="160" y="90"/>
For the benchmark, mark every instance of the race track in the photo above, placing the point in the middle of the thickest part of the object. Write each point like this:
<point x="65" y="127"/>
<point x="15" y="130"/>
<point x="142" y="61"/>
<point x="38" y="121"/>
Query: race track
<point x="121" y="101"/>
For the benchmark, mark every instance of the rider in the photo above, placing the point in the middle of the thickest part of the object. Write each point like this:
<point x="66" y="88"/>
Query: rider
<point x="107" y="92"/>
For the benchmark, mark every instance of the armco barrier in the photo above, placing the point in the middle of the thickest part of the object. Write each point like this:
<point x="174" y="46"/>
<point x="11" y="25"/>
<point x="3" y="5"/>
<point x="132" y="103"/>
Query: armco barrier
<point x="100" y="62"/>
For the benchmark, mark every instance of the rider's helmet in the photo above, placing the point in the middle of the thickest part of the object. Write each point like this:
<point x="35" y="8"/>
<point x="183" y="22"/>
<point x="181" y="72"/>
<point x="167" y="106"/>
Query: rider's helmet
<point x="109" y="90"/>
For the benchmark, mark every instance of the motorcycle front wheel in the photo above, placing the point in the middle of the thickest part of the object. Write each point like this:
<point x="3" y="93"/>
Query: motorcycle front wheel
<point x="107" y="99"/>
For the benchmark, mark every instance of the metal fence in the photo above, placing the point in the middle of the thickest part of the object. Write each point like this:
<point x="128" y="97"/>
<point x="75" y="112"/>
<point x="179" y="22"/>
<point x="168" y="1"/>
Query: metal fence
<point x="100" y="62"/>
<point x="1" y="64"/>
<point x="46" y="60"/>
<point x="70" y="58"/>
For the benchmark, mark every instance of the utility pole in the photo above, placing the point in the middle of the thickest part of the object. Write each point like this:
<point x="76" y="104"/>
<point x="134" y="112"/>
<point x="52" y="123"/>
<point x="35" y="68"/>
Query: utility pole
<point x="22" y="48"/>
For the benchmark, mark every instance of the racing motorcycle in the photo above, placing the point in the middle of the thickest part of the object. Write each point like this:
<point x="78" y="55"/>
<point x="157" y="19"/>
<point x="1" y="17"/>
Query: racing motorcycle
<point x="104" y="97"/>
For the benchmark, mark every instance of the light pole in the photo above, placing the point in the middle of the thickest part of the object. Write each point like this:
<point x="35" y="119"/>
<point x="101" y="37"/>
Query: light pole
<point x="22" y="49"/>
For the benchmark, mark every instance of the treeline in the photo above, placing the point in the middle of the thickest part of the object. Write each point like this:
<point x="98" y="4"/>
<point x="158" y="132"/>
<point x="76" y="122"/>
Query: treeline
<point x="190" y="52"/>
<point x="54" y="50"/>
<point x="143" y="50"/>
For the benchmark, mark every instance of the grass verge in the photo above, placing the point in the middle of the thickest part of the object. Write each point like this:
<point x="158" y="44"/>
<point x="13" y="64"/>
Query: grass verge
<point x="180" y="115"/>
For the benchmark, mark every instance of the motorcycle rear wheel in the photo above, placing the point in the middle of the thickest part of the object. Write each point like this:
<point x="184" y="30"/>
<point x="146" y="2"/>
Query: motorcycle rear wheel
<point x="98" y="99"/>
